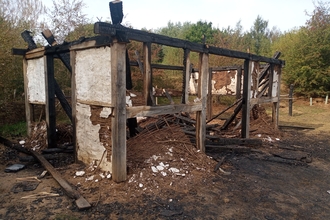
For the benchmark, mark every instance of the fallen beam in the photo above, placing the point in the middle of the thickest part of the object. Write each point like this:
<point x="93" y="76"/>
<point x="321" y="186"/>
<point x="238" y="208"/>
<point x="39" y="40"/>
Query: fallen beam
<point x="235" y="148"/>
<point x="81" y="202"/>
<point x="10" y="144"/>
<point x="234" y="141"/>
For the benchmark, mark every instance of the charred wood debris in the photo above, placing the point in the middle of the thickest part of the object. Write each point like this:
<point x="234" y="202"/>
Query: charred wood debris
<point x="219" y="142"/>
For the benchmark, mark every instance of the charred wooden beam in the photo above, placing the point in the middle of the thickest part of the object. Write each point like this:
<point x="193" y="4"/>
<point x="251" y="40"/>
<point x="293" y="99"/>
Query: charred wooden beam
<point x="157" y="66"/>
<point x="81" y="202"/>
<point x="233" y="116"/>
<point x="234" y="141"/>
<point x="28" y="39"/>
<point x="266" y="69"/>
<point x="50" y="102"/>
<point x="116" y="11"/>
<point x="103" y="28"/>
<point x="17" y="51"/>
<point x="233" y="148"/>
<point x="223" y="111"/>
<point x="63" y="101"/>
<point x="12" y="145"/>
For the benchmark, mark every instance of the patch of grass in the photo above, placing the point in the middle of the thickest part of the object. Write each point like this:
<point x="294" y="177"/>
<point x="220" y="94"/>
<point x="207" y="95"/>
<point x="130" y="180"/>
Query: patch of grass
<point x="13" y="130"/>
<point x="224" y="99"/>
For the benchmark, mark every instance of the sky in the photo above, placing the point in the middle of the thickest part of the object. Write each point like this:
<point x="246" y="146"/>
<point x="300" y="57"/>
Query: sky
<point x="155" y="14"/>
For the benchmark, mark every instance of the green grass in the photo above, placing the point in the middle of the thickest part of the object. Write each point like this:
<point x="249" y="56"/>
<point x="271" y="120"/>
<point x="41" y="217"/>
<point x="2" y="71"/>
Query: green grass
<point x="13" y="130"/>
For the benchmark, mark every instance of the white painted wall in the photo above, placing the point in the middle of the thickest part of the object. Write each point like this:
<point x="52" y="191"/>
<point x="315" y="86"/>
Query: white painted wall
<point x="36" y="86"/>
<point x="230" y="89"/>
<point x="93" y="75"/>
<point x="193" y="83"/>
<point x="93" y="85"/>
<point x="90" y="148"/>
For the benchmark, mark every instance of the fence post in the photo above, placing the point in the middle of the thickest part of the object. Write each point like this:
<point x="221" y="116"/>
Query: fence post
<point x="326" y="99"/>
<point x="290" y="99"/>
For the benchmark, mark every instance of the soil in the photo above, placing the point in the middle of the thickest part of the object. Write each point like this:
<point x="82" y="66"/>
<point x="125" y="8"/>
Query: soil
<point x="287" y="177"/>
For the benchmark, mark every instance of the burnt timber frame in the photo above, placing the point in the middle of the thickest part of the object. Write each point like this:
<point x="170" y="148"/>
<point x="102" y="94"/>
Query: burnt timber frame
<point x="123" y="34"/>
<point x="118" y="36"/>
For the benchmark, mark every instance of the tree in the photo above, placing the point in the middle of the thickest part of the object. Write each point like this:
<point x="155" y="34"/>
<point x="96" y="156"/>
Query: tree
<point x="197" y="32"/>
<point x="15" y="16"/>
<point x="259" y="33"/>
<point x="25" y="14"/>
<point x="65" y="16"/>
<point x="307" y="54"/>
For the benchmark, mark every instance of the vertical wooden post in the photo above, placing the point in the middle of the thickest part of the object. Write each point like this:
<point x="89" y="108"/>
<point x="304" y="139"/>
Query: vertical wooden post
<point x="186" y="72"/>
<point x="74" y="101"/>
<point x="271" y="80"/>
<point x="147" y="76"/>
<point x="290" y="99"/>
<point x="239" y="82"/>
<point x="50" y="102"/>
<point x="118" y="122"/>
<point x="276" y="105"/>
<point x="28" y="106"/>
<point x="246" y="99"/>
<point x="209" y="95"/>
<point x="202" y="95"/>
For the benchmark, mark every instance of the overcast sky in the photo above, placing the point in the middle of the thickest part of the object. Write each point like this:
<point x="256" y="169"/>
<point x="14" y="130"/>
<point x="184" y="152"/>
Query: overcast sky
<point x="154" y="14"/>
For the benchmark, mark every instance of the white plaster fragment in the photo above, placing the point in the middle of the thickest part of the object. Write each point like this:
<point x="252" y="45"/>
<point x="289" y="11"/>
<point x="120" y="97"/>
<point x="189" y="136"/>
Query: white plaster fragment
<point x="106" y="112"/>
<point x="129" y="101"/>
<point x="154" y="169"/>
<point x="160" y="168"/>
<point x="140" y="185"/>
<point x="174" y="170"/>
<point x="90" y="178"/>
<point x="132" y="179"/>
<point x="21" y="142"/>
<point x="80" y="173"/>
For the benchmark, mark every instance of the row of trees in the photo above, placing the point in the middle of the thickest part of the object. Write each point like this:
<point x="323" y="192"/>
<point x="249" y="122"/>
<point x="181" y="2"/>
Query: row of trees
<point x="306" y="49"/>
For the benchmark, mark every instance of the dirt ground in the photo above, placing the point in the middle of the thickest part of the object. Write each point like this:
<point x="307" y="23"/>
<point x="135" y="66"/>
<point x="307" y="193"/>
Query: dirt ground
<point x="168" y="178"/>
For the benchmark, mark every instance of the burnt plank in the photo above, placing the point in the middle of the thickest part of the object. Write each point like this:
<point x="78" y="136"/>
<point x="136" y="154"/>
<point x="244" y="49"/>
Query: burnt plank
<point x="232" y="117"/>
<point x="17" y="51"/>
<point x="218" y="141"/>
<point x="64" y="103"/>
<point x="81" y="202"/>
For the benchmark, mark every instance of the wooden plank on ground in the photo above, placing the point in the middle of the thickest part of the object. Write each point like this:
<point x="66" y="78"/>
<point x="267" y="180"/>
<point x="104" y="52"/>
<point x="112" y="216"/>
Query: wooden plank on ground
<point x="235" y="148"/>
<point x="81" y="202"/>
<point x="218" y="141"/>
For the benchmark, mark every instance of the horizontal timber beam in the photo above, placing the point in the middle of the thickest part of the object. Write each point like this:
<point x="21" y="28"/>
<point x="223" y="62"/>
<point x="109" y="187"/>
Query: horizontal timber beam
<point x="142" y="111"/>
<point x="125" y="34"/>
